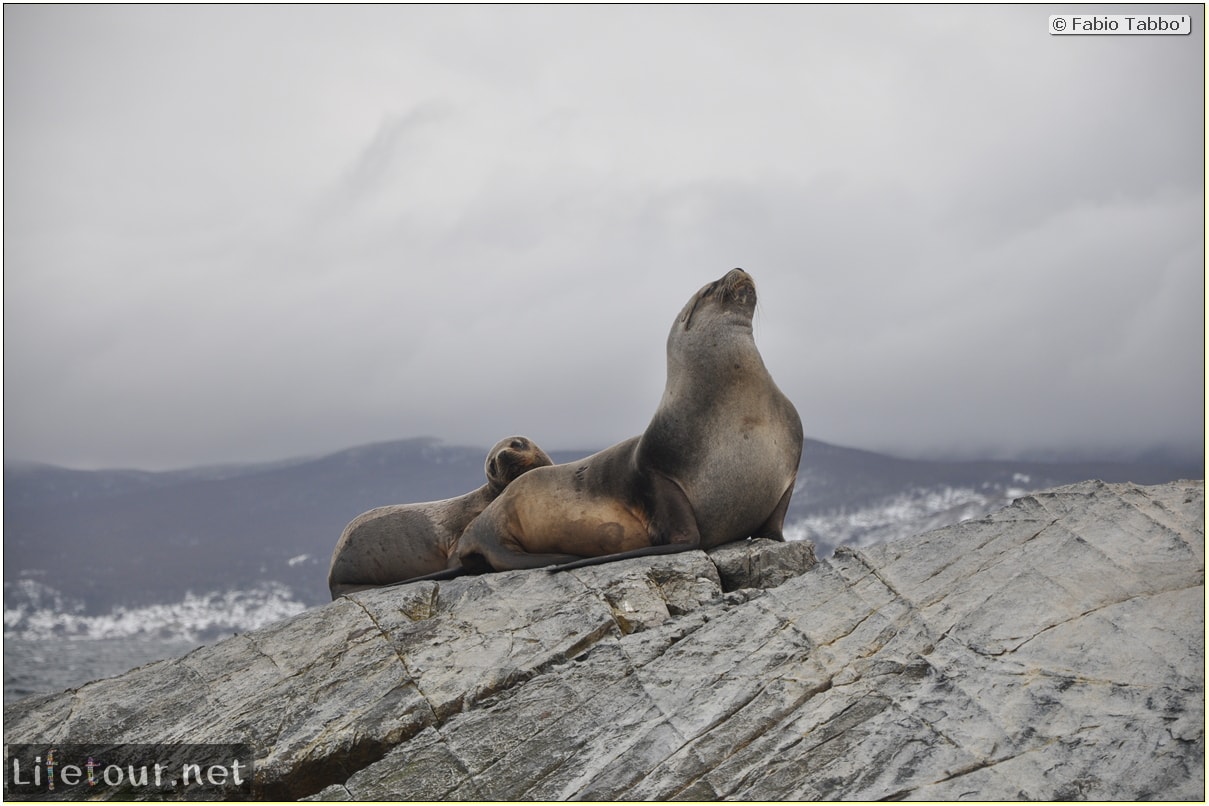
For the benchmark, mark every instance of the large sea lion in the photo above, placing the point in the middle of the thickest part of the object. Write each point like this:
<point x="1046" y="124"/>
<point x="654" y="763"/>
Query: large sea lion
<point x="717" y="462"/>
<point x="396" y="543"/>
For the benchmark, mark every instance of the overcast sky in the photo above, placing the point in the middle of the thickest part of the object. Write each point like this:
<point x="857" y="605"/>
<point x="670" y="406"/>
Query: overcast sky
<point x="250" y="233"/>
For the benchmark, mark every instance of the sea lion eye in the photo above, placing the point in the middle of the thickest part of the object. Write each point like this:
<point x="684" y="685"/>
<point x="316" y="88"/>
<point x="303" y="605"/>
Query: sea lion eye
<point x="518" y="444"/>
<point x="491" y="466"/>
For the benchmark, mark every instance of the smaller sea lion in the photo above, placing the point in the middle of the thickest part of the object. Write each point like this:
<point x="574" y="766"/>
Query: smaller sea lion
<point x="397" y="543"/>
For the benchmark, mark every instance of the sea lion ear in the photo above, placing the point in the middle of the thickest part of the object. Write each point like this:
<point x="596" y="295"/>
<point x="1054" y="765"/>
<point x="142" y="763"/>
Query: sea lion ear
<point x="692" y="308"/>
<point x="688" y="311"/>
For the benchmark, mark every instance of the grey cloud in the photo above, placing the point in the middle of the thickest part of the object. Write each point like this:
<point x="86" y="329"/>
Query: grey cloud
<point x="382" y="222"/>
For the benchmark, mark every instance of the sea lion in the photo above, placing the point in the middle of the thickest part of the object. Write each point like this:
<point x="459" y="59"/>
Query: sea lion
<point x="717" y="462"/>
<point x="396" y="543"/>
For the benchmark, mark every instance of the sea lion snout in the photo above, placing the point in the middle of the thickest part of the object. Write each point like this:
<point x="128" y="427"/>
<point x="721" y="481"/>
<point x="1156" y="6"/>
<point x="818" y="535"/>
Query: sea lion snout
<point x="736" y="286"/>
<point x="739" y="285"/>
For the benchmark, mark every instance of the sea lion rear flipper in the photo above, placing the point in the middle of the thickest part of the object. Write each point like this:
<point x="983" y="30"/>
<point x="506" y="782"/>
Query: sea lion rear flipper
<point x="445" y="573"/>
<point x="671" y="548"/>
<point x="504" y="559"/>
<point x="344" y="589"/>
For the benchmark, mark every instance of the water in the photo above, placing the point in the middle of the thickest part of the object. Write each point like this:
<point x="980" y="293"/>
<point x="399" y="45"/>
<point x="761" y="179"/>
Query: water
<point x="52" y="644"/>
<point x="54" y="664"/>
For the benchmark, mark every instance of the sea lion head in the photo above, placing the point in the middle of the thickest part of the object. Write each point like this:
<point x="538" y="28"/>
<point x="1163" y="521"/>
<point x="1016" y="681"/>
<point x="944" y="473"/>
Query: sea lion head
<point x="712" y="342"/>
<point x="730" y="299"/>
<point x="510" y="458"/>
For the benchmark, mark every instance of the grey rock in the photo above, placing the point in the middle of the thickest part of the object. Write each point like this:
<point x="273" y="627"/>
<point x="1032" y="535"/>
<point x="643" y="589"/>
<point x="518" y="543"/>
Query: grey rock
<point x="1052" y="651"/>
<point x="761" y="563"/>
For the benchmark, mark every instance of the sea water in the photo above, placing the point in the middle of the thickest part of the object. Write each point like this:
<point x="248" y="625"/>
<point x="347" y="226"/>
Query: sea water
<point x="51" y="643"/>
<point x="48" y="666"/>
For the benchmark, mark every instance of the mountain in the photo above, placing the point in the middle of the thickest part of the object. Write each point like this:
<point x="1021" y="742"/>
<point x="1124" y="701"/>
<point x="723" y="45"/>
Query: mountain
<point x="100" y="540"/>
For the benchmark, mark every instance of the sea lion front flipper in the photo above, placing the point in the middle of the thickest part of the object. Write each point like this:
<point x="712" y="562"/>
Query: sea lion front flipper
<point x="772" y="528"/>
<point x="673" y="521"/>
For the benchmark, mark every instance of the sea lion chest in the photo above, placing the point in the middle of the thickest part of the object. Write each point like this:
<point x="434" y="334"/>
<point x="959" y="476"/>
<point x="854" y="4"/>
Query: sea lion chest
<point x="733" y="448"/>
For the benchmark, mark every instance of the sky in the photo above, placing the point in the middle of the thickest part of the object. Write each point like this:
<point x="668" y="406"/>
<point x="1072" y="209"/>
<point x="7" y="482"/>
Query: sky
<point x="249" y="233"/>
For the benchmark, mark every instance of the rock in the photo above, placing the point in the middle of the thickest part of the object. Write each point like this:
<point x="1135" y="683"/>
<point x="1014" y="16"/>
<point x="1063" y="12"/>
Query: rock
<point x="761" y="563"/>
<point x="1052" y="651"/>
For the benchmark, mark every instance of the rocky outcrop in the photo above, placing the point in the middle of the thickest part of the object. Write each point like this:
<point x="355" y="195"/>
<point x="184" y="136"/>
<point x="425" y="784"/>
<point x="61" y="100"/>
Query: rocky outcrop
<point x="1052" y="651"/>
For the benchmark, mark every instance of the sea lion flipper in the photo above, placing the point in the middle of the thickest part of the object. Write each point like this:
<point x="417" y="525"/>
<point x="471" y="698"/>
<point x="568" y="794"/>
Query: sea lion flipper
<point x="673" y="521"/>
<point x="500" y="558"/>
<point x="339" y="590"/>
<point x="772" y="528"/>
<point x="671" y="548"/>
<point x="447" y="573"/>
